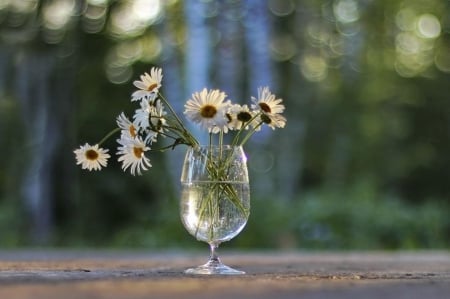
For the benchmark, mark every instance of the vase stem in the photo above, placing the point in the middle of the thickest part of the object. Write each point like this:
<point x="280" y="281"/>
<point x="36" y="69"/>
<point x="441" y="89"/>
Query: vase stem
<point x="213" y="256"/>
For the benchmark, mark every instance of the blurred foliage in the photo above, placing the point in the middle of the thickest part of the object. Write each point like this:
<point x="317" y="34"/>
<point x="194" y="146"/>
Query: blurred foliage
<point x="363" y="162"/>
<point x="355" y="218"/>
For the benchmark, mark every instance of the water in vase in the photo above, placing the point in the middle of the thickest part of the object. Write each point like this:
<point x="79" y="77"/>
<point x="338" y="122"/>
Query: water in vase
<point x="210" y="214"/>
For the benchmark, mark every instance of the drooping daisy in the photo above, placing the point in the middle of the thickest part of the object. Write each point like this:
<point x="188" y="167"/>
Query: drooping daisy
<point x="270" y="107"/>
<point x="208" y="108"/>
<point x="266" y="102"/>
<point x="239" y="116"/>
<point x="150" y="136"/>
<point x="151" y="116"/>
<point x="91" y="157"/>
<point x="131" y="151"/>
<point x="273" y="120"/>
<point x="142" y="115"/>
<point x="157" y="116"/>
<point x="149" y="85"/>
<point x="128" y="128"/>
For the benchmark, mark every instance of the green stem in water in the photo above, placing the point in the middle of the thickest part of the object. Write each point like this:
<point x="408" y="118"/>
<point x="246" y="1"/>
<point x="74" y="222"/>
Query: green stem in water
<point x="220" y="144"/>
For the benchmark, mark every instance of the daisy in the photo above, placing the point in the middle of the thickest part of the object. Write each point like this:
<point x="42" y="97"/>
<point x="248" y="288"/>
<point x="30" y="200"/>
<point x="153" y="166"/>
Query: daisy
<point x="91" y="157"/>
<point x="128" y="128"/>
<point x="150" y="136"/>
<point x="239" y="116"/>
<point x="157" y="116"/>
<point x="208" y="108"/>
<point x="131" y="153"/>
<point x="270" y="107"/>
<point x="142" y="115"/>
<point x="151" y="116"/>
<point x="266" y="102"/>
<point x="273" y="120"/>
<point x="149" y="85"/>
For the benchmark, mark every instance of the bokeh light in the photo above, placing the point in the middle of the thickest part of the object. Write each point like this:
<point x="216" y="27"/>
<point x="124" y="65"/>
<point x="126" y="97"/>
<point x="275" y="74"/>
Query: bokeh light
<point x="346" y="11"/>
<point x="98" y="2"/>
<point x="131" y="18"/>
<point x="428" y="26"/>
<point x="283" y="47"/>
<point x="415" y="42"/>
<point x="405" y="19"/>
<point x="94" y="18"/>
<point x="56" y="14"/>
<point x="313" y="67"/>
<point x="281" y="8"/>
<point x="21" y="6"/>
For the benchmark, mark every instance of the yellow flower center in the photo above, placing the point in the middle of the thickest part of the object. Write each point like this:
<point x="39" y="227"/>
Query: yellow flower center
<point x="138" y="152"/>
<point x="264" y="107"/>
<point x="132" y="130"/>
<point x="208" y="111"/>
<point x="91" y="155"/>
<point x="152" y="86"/>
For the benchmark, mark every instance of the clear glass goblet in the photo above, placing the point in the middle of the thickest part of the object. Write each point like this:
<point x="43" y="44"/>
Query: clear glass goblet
<point x="215" y="199"/>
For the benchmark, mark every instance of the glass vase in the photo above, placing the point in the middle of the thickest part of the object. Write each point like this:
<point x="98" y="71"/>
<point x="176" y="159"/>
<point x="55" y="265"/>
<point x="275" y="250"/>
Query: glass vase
<point x="215" y="199"/>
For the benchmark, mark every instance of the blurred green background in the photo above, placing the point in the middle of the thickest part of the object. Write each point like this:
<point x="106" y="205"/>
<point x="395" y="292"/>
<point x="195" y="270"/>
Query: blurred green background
<point x="363" y="163"/>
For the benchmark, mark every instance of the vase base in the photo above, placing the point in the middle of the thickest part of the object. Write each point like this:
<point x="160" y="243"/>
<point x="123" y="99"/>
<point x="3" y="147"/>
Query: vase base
<point x="213" y="268"/>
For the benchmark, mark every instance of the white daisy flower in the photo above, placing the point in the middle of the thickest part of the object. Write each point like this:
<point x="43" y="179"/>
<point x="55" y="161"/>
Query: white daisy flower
<point x="157" y="116"/>
<point x="270" y="107"/>
<point x="266" y="102"/>
<point x="91" y="157"/>
<point x="131" y="151"/>
<point x="128" y="128"/>
<point x="142" y="115"/>
<point x="238" y="116"/>
<point x="207" y="108"/>
<point x="150" y="136"/>
<point x="151" y="117"/>
<point x="273" y="120"/>
<point x="149" y="85"/>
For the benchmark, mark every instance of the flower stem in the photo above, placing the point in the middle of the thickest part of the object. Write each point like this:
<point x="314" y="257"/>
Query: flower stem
<point x="112" y="132"/>
<point x="185" y="134"/>
<point x="250" y="133"/>
<point x="238" y="134"/>
<point x="220" y="142"/>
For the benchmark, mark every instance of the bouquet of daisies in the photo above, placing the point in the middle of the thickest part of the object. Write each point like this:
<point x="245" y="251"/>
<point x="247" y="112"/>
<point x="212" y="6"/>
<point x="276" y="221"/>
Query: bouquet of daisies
<point x="155" y="118"/>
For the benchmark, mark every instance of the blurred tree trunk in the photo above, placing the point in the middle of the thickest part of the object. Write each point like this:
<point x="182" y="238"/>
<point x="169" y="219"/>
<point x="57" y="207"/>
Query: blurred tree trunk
<point x="229" y="59"/>
<point x="198" y="50"/>
<point x="33" y="86"/>
<point x="43" y="77"/>
<point x="257" y="39"/>
<point x="46" y="95"/>
<point x="198" y="46"/>
<point x="173" y="86"/>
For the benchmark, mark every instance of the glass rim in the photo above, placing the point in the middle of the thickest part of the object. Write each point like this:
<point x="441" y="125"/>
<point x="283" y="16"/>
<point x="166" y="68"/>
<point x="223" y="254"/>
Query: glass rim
<point x="216" y="146"/>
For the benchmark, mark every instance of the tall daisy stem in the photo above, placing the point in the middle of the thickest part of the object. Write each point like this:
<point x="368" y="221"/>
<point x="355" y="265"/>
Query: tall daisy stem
<point x="187" y="136"/>
<point x="112" y="132"/>
<point x="250" y="133"/>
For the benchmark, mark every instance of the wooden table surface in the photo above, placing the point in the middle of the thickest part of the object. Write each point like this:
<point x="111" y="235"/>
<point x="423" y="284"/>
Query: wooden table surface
<point x="136" y="274"/>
